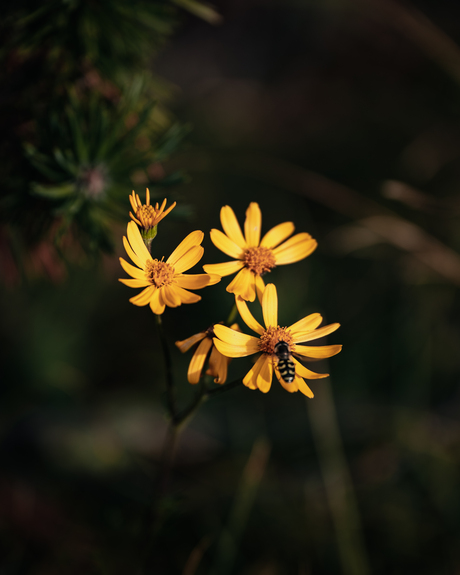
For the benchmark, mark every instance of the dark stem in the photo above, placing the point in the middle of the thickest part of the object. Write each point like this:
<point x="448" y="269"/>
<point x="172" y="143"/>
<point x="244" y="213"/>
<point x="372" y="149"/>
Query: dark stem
<point x="170" y="395"/>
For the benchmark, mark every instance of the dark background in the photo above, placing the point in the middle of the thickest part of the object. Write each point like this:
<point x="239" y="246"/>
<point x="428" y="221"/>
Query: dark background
<point x="343" y="117"/>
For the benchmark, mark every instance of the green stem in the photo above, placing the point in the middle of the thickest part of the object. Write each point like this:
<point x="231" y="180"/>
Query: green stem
<point x="171" y="398"/>
<point x="232" y="315"/>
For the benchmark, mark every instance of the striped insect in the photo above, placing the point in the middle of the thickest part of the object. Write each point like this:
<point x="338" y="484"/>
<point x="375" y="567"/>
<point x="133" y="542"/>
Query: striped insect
<point x="286" y="366"/>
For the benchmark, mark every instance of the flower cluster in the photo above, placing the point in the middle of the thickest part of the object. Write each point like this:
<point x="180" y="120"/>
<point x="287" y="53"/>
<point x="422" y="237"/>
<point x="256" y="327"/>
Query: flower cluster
<point x="165" y="284"/>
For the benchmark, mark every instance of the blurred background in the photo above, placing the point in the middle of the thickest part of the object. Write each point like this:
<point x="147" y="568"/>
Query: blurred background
<point x="342" y="116"/>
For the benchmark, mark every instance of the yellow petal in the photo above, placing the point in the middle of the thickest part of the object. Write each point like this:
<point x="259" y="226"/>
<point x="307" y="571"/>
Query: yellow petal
<point x="224" y="269"/>
<point x="317" y="333"/>
<point x="135" y="283"/>
<point x="306" y="373"/>
<point x="260" y="288"/>
<point x="196" y="281"/>
<point x="186" y="344"/>
<point x="247" y="316"/>
<point x="157" y="304"/>
<point x="144" y="297"/>
<point x="270" y="306"/>
<point x="184" y="295"/>
<point x="193" y="239"/>
<point x="237" y="338"/>
<point x="291" y="387"/>
<point x="132" y="271"/>
<point x="218" y="366"/>
<point x="264" y="379"/>
<point x="250" y="379"/>
<point x="137" y="243"/>
<point x="308" y="323"/>
<point x="303" y="387"/>
<point x="232" y="350"/>
<point x="137" y="260"/>
<point x="232" y="227"/>
<point x="253" y="225"/>
<point x="295" y="249"/>
<point x="318" y="352"/>
<point x="277" y="235"/>
<point x="170" y="296"/>
<point x="243" y="284"/>
<point x="189" y="259"/>
<point x="226" y="245"/>
<point x="196" y="365"/>
<point x="132" y="199"/>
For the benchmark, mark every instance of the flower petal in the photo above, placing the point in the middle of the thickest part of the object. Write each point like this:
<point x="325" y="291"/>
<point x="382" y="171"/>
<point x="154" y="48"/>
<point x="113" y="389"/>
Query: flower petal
<point x="308" y="323"/>
<point x="317" y="333"/>
<point x="247" y="316"/>
<point x="243" y="284"/>
<point x="264" y="379"/>
<point x="137" y="243"/>
<point x="270" y="306"/>
<point x="277" y="235"/>
<point x="170" y="296"/>
<point x="260" y="288"/>
<point x="232" y="227"/>
<point x="186" y="344"/>
<point x="196" y="281"/>
<point x="237" y="338"/>
<point x="157" y="304"/>
<point x="303" y="387"/>
<point x="232" y="350"/>
<point x="224" y="269"/>
<point x="189" y="259"/>
<point x="295" y="249"/>
<point x="184" y="295"/>
<point x="135" y="283"/>
<point x="218" y="366"/>
<point x="196" y="365"/>
<point x="193" y="239"/>
<point x="302" y="371"/>
<point x="132" y="271"/>
<point x="226" y="245"/>
<point x="250" y="379"/>
<point x="318" y="352"/>
<point x="144" y="297"/>
<point x="253" y="225"/>
<point x="134" y="258"/>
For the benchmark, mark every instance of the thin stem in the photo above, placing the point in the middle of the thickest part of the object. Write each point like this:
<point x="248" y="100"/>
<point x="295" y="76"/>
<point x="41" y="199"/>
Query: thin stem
<point x="231" y="315"/>
<point x="170" y="395"/>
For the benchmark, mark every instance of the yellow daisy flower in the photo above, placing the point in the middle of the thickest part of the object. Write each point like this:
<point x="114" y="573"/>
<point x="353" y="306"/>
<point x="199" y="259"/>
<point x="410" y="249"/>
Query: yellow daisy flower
<point x="164" y="281"/>
<point x="217" y="363"/>
<point x="147" y="216"/>
<point x="255" y="257"/>
<point x="234" y="344"/>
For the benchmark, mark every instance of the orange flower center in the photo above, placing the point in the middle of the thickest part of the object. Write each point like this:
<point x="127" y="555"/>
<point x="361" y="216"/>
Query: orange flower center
<point x="147" y="216"/>
<point x="159" y="273"/>
<point x="259" y="260"/>
<point x="272" y="336"/>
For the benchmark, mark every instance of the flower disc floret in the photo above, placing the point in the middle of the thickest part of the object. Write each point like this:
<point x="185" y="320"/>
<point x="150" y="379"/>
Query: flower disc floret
<point x="159" y="273"/>
<point x="272" y="336"/>
<point x="259" y="260"/>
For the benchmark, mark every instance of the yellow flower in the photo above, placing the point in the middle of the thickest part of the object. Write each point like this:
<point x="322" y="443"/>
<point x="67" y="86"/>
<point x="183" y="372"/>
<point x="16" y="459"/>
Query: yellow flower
<point x="234" y="344"/>
<point x="255" y="257"/>
<point x="217" y="363"/>
<point x="164" y="281"/>
<point x="147" y="216"/>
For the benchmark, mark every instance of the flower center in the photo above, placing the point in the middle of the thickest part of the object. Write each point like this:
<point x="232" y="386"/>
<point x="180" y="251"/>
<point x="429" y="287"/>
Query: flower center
<point x="272" y="336"/>
<point x="259" y="260"/>
<point x="146" y="215"/>
<point x="159" y="273"/>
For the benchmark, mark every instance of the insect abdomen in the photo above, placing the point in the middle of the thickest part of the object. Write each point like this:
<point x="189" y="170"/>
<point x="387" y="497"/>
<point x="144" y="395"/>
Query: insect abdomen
<point x="287" y="370"/>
